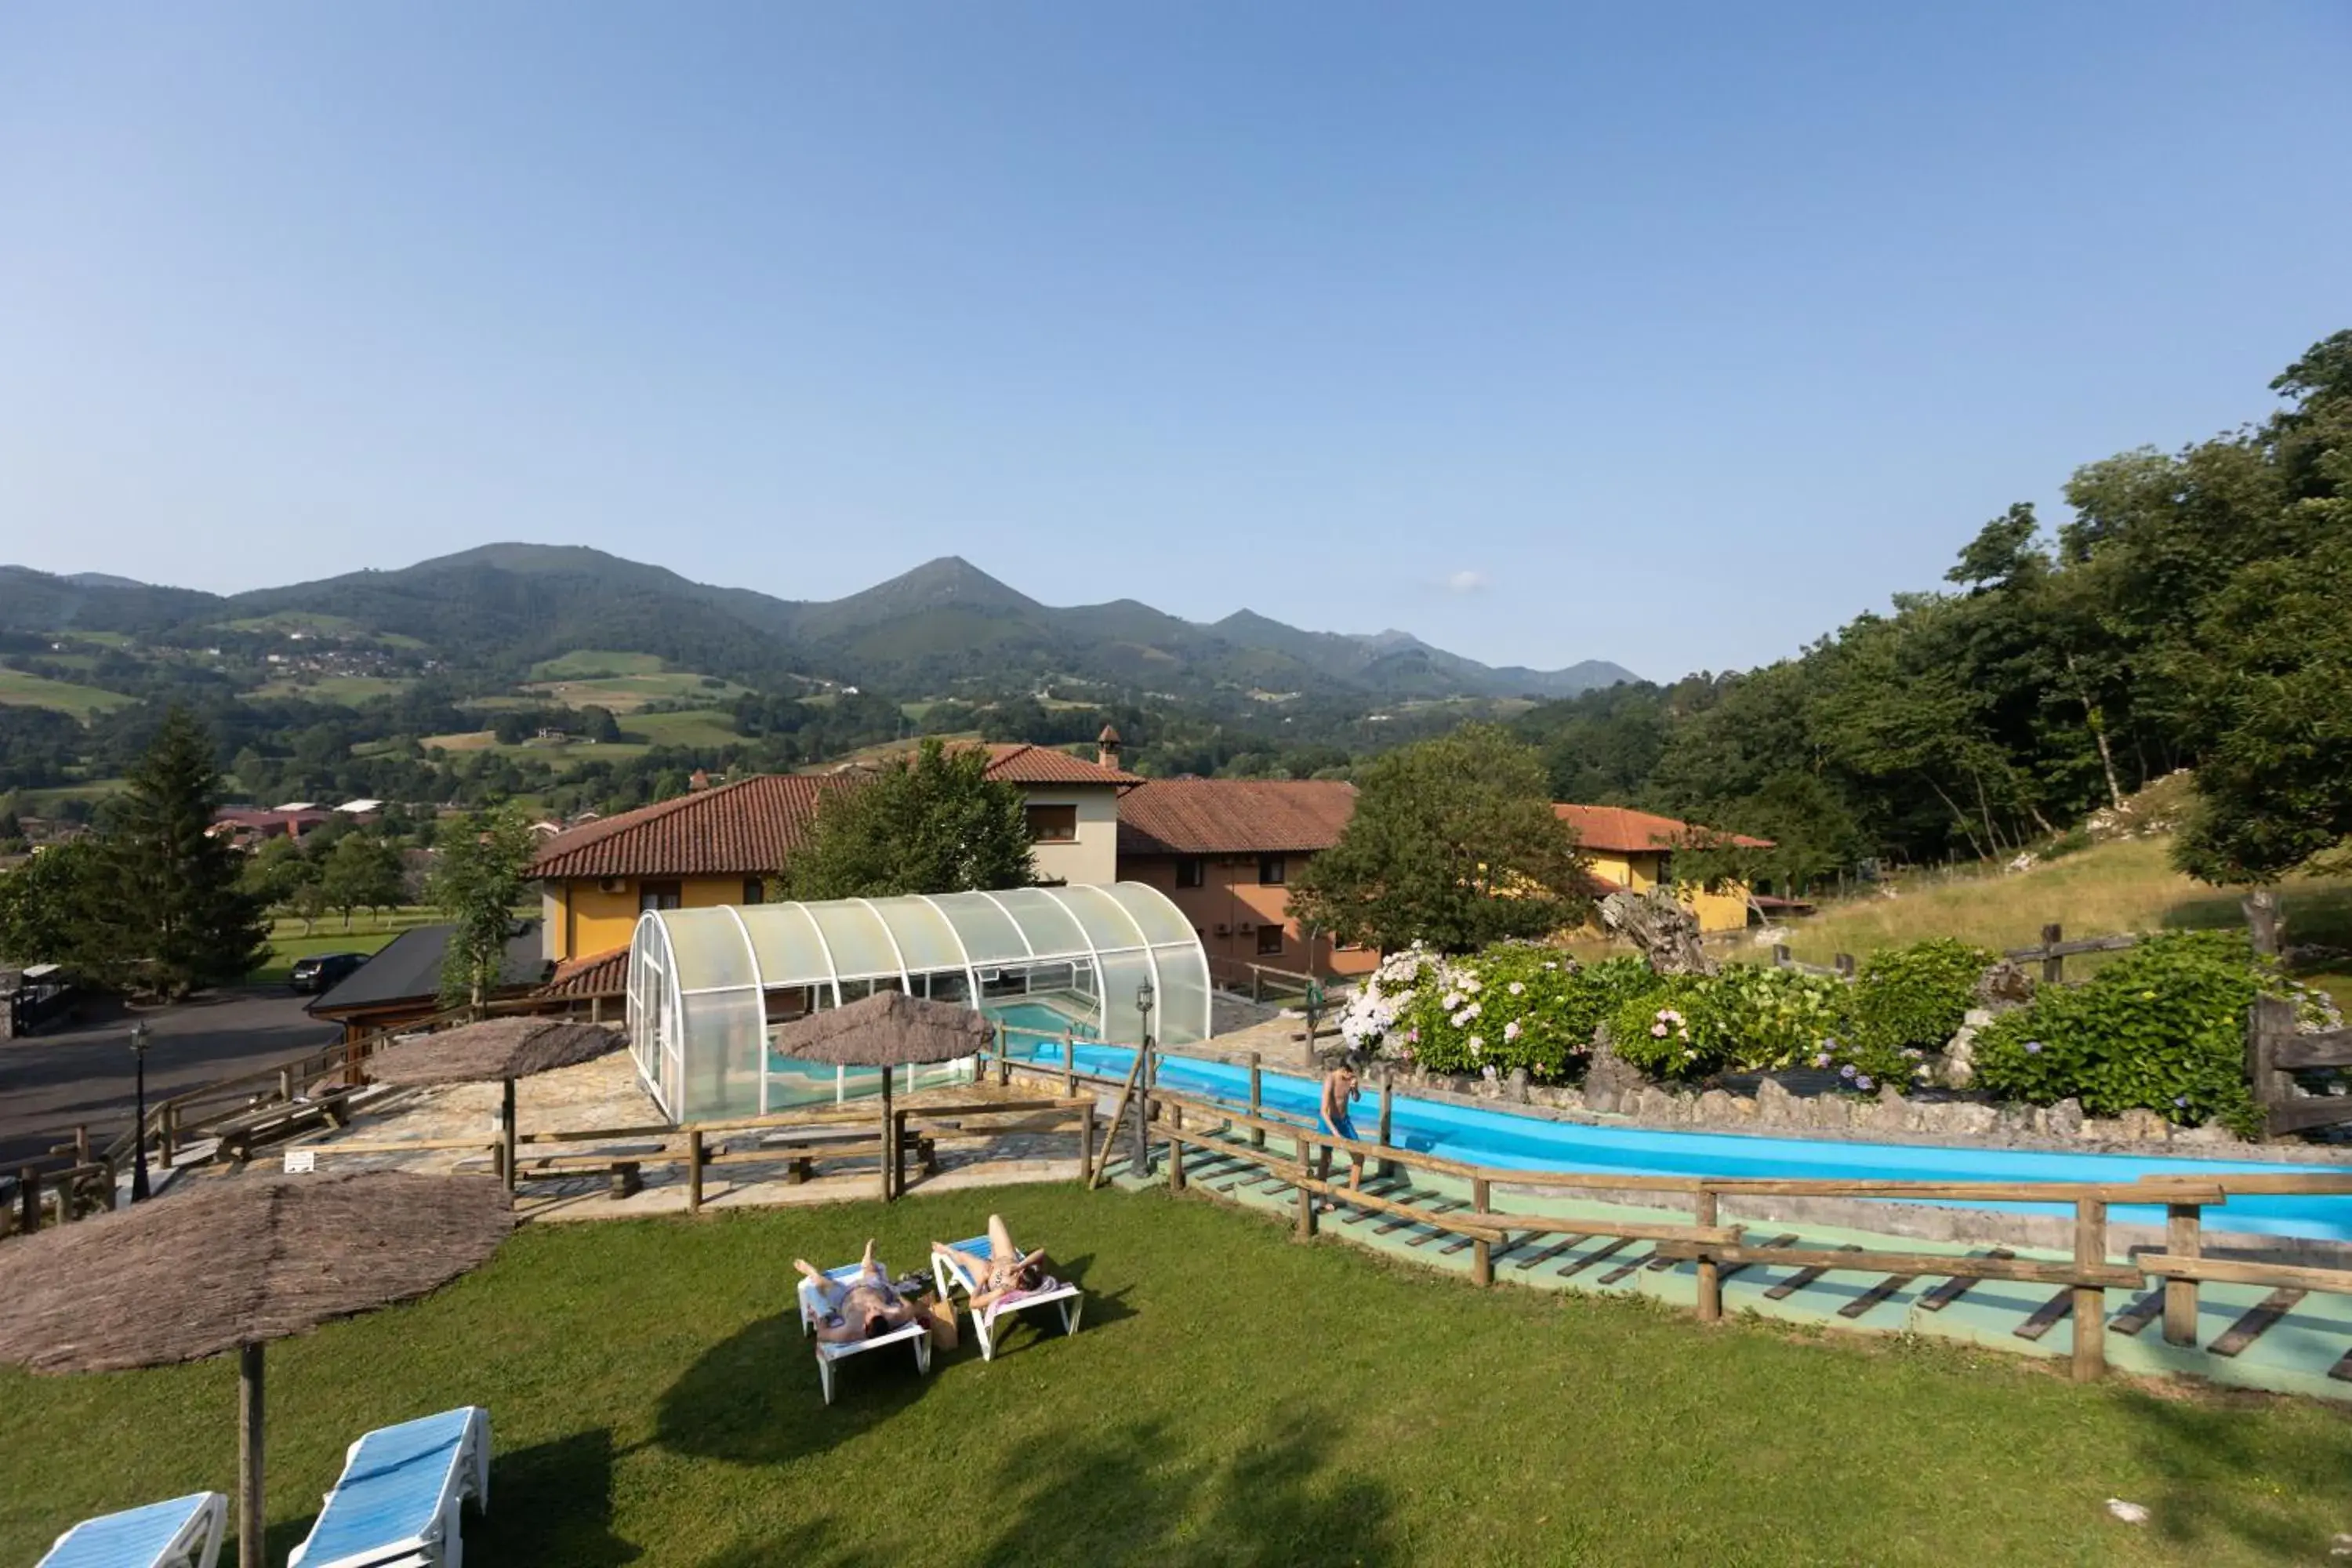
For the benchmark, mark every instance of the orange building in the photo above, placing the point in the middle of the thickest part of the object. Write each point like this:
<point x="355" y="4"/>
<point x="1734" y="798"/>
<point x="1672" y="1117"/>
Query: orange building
<point x="1225" y="851"/>
<point x="1634" y="850"/>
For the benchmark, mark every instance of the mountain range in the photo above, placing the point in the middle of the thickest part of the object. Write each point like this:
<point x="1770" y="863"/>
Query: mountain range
<point x="946" y="626"/>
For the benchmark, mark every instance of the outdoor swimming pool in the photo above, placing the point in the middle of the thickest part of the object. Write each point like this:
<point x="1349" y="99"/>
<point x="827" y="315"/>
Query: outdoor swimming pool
<point x="1499" y="1138"/>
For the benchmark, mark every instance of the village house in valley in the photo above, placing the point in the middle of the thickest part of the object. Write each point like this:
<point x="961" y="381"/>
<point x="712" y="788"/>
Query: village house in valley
<point x="1225" y="851"/>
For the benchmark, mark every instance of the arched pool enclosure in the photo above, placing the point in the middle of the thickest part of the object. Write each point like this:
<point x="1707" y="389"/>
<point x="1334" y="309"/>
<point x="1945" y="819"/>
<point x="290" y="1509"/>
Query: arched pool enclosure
<point x="708" y="986"/>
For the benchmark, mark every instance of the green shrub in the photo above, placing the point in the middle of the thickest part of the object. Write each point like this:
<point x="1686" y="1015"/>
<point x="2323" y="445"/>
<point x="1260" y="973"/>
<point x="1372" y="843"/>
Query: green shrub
<point x="1510" y="1006"/>
<point x="2162" y="1028"/>
<point x="2074" y="841"/>
<point x="1667" y="1033"/>
<point x="1769" y="1019"/>
<point x="1916" y="997"/>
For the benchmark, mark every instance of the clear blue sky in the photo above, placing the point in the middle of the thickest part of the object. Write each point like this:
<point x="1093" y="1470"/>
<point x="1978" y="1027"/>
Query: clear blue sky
<point x="1669" y="334"/>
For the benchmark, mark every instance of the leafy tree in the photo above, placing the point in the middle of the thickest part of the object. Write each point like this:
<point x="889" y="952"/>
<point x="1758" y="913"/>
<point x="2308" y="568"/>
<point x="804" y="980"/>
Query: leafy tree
<point x="482" y="877"/>
<point x="177" y="914"/>
<point x="934" y="823"/>
<point x="48" y="906"/>
<point x="1453" y="843"/>
<point x="362" y="872"/>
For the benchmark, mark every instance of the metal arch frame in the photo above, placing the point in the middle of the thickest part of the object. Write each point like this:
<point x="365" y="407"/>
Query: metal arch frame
<point x="971" y="970"/>
<point x="1013" y="919"/>
<point x="832" y="970"/>
<point x="1150" y="959"/>
<point x="906" y="981"/>
<point x="758" y="1000"/>
<point x="1152" y="949"/>
<point x="1094" y="955"/>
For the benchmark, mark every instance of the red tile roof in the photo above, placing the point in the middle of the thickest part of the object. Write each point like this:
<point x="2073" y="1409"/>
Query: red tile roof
<point x="598" y="974"/>
<point x="1026" y="764"/>
<point x="1233" y="816"/>
<point x="1621" y="830"/>
<point x="740" y="829"/>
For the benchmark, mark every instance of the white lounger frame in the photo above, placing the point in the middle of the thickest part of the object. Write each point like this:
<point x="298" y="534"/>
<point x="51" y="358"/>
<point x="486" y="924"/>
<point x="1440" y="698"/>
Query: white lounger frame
<point x="441" y="1545"/>
<point x="917" y="1331"/>
<point x="1068" y="1298"/>
<point x="197" y="1545"/>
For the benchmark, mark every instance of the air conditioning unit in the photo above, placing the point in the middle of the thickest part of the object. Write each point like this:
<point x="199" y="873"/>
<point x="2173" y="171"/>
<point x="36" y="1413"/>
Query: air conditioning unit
<point x="1245" y="928"/>
<point x="1225" y="930"/>
<point x="612" y="885"/>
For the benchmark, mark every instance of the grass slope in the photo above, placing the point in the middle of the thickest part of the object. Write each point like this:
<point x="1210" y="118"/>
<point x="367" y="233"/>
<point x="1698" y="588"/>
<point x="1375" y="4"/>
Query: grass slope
<point x="1232" y="1398"/>
<point x="348" y="689"/>
<point x="2128" y="885"/>
<point x="18" y="689"/>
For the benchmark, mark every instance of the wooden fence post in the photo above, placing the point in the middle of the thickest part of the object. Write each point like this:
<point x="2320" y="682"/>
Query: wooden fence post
<point x="167" y="1140"/>
<point x="506" y="1135"/>
<point x="694" y="1170"/>
<point x="2053" y="965"/>
<point x="2183" y="1238"/>
<point x="2268" y="1022"/>
<point x="1175" y="1149"/>
<point x="1387" y="1168"/>
<point x="1306" y="1231"/>
<point x="1003" y="1060"/>
<point x="1710" y="1274"/>
<point x="1780" y="955"/>
<point x="1069" y="1066"/>
<point x="1257" y="1098"/>
<point x="29" y="1200"/>
<point x="1843" y="964"/>
<point x="1482" y="1255"/>
<point x="286" y="1086"/>
<point x="1086" y="1141"/>
<point x="2090" y="1300"/>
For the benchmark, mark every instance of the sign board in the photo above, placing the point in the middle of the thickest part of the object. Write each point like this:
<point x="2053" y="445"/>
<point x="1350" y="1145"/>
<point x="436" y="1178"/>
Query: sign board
<point x="300" y="1162"/>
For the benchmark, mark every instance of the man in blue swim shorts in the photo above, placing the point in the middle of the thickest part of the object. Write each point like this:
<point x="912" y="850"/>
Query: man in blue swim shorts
<point x="1338" y="1092"/>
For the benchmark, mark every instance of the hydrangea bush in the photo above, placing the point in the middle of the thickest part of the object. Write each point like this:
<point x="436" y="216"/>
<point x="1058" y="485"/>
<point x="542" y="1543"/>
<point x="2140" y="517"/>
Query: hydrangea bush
<point x="2161" y="1029"/>
<point x="1916" y="997"/>
<point x="1513" y="1005"/>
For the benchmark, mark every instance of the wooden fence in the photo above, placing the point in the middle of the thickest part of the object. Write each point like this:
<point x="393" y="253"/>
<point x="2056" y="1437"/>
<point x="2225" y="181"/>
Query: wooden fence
<point x="2275" y="1050"/>
<point x="1286" y="1152"/>
<point x="2050" y="952"/>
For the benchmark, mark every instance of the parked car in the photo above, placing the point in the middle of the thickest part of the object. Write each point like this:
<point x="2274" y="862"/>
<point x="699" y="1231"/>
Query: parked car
<point x="324" y="971"/>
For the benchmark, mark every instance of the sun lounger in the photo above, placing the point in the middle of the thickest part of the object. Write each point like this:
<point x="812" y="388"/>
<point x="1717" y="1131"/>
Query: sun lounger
<point x="184" y="1533"/>
<point x="812" y="1308"/>
<point x="950" y="1275"/>
<point x="395" y="1504"/>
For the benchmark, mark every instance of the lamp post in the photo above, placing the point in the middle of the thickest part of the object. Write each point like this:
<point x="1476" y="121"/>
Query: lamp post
<point x="139" y="1189"/>
<point x="1144" y="996"/>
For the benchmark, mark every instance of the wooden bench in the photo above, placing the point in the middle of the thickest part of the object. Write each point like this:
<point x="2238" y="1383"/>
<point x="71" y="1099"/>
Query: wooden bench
<point x="804" y="1146"/>
<point x="240" y="1135"/>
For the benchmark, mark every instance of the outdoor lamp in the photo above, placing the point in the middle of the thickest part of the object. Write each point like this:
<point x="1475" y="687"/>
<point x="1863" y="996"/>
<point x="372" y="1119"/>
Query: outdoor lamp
<point x="139" y="1036"/>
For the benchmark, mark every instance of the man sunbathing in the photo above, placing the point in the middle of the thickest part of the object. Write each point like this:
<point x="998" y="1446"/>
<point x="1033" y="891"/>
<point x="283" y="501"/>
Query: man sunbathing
<point x="1003" y="1272"/>
<point x="863" y="1308"/>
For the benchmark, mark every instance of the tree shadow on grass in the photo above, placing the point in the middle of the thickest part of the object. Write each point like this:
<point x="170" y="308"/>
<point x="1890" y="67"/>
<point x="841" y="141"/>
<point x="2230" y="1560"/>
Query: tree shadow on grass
<point x="2217" y="1458"/>
<point x="1133" y="1494"/>
<point x="754" y="1398"/>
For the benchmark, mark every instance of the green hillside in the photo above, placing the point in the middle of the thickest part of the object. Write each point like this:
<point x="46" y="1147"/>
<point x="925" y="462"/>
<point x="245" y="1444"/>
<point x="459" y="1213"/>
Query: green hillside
<point x="22" y="691"/>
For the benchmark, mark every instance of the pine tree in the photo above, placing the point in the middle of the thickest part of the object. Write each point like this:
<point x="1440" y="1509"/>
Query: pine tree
<point x="178" y="917"/>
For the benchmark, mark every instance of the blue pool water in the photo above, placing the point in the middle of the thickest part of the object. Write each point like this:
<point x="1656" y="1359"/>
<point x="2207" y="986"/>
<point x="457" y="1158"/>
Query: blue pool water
<point x="1530" y="1143"/>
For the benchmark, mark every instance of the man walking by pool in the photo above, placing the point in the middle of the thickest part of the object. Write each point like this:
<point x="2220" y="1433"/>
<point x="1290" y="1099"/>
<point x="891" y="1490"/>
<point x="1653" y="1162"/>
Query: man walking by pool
<point x="1338" y="1092"/>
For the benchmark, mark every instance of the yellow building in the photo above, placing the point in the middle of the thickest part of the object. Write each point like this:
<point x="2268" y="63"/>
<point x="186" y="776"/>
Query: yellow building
<point x="720" y="844"/>
<point x="1634" y="850"/>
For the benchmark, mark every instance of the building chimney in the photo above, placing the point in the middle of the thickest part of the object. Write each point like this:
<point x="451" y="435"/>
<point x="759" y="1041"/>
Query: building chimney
<point x="699" y="780"/>
<point x="1107" y="747"/>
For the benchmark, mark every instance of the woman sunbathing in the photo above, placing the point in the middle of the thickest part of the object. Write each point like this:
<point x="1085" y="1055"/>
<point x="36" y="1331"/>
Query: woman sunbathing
<point x="863" y="1308"/>
<point x="1003" y="1272"/>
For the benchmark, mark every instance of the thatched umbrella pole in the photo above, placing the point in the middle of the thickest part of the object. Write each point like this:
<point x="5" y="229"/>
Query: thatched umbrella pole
<point x="889" y="1140"/>
<point x="251" y="1511"/>
<point x="506" y="1130"/>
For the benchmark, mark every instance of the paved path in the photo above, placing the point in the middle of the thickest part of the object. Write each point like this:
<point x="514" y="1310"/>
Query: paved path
<point x="82" y="1073"/>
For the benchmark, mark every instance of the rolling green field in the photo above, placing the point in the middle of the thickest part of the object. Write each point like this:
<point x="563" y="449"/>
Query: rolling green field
<point x="627" y="693"/>
<point x="594" y="664"/>
<point x="350" y="690"/>
<point x="18" y="689"/>
<point x="39" y="801"/>
<point x="1230" y="1398"/>
<point x="319" y="625"/>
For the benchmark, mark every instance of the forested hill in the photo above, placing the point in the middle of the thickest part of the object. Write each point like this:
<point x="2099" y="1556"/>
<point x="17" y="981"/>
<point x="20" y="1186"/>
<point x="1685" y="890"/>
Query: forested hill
<point x="504" y="607"/>
<point x="2195" y="611"/>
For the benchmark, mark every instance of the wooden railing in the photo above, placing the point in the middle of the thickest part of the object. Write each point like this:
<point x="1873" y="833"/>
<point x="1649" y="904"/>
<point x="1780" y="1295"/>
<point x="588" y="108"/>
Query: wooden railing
<point x="2274" y="1049"/>
<point x="1287" y="1149"/>
<point x="2050" y="952"/>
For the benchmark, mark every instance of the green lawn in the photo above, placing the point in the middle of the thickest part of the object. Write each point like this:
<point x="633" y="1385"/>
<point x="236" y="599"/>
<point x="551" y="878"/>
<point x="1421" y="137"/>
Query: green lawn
<point x="592" y="663"/>
<point x="18" y="689"/>
<point x="1232" y="1398"/>
<point x="368" y="933"/>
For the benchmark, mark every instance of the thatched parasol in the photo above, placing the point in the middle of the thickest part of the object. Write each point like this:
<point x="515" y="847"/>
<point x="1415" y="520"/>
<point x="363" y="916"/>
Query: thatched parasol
<point x="887" y="1029"/>
<point x="231" y="1266"/>
<point x="498" y="1052"/>
<point x="505" y="1048"/>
